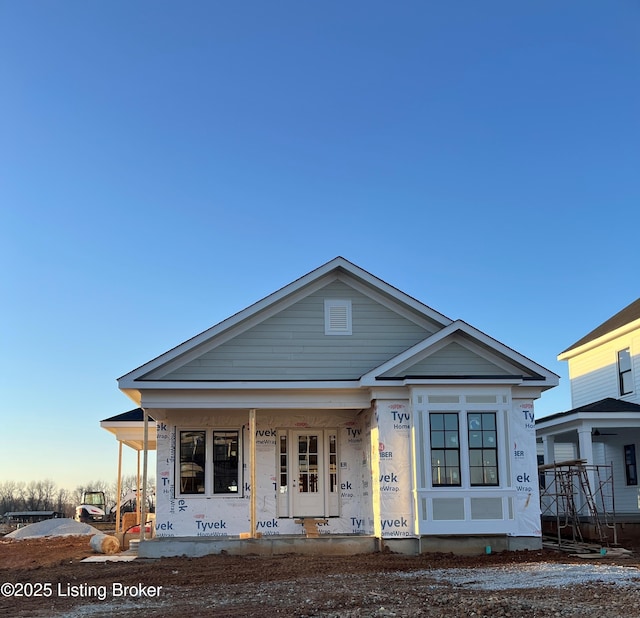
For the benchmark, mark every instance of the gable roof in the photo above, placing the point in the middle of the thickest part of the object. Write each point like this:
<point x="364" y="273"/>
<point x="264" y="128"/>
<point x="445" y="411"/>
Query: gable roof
<point x="629" y="314"/>
<point x="280" y="299"/>
<point x="502" y="362"/>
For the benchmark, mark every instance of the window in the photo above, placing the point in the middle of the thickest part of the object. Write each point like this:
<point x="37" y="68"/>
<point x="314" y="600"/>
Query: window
<point x="333" y="464"/>
<point x="483" y="448"/>
<point x="210" y="462"/>
<point x="284" y="467"/>
<point x="225" y="462"/>
<point x="541" y="476"/>
<point x="630" y="464"/>
<point x="193" y="449"/>
<point x="624" y="372"/>
<point x="445" y="449"/>
<point x="464" y="447"/>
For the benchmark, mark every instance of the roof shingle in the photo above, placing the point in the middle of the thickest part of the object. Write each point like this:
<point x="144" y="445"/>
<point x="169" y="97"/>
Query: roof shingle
<point x="629" y="314"/>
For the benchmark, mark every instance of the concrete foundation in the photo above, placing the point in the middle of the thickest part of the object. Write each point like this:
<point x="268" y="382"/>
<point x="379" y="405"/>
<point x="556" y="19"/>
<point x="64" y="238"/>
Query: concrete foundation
<point x="336" y="545"/>
<point x="265" y="546"/>
<point x="461" y="545"/>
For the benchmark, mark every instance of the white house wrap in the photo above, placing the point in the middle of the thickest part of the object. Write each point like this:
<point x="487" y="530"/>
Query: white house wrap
<point x="524" y="464"/>
<point x="395" y="478"/>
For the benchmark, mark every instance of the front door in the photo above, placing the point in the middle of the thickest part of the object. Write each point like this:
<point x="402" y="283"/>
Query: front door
<point x="308" y="479"/>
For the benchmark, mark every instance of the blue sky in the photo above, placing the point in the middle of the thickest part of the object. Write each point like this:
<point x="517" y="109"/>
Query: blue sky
<point x="163" y="165"/>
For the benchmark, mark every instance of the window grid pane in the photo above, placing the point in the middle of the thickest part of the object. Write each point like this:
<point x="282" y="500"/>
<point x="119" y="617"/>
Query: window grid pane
<point x="283" y="464"/>
<point x="483" y="449"/>
<point x="624" y="372"/>
<point x="445" y="449"/>
<point x="631" y="470"/>
<point x="225" y="462"/>
<point x="333" y="464"/>
<point x="192" y="461"/>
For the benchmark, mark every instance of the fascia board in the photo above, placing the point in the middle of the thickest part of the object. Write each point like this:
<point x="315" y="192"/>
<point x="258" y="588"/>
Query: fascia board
<point x="480" y="351"/>
<point x="161" y="385"/>
<point x="550" y="378"/>
<point x="399" y="304"/>
<point x="475" y="381"/>
<point x="374" y="286"/>
<point x="223" y="335"/>
<point x="590" y="345"/>
<point x="124" y="426"/>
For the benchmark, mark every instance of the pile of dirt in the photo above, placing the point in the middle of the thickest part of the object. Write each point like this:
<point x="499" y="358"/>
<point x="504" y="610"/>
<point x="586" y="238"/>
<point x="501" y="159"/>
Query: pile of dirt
<point x="53" y="527"/>
<point x="39" y="552"/>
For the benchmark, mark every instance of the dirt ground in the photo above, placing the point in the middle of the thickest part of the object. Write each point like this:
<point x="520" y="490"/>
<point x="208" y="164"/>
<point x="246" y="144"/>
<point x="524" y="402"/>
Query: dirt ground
<point x="44" y="577"/>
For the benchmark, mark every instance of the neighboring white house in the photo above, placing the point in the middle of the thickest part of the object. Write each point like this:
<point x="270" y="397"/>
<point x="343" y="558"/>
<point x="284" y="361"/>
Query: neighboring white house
<point x="603" y="427"/>
<point x="342" y="400"/>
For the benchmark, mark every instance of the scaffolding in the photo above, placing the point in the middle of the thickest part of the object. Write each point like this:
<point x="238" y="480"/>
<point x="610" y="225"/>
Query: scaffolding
<point x="580" y="498"/>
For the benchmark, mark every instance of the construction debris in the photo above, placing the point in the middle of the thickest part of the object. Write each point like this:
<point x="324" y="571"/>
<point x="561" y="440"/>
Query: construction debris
<point x="105" y="544"/>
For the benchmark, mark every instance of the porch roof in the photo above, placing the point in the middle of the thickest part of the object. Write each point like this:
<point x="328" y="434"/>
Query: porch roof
<point x="608" y="413"/>
<point x="609" y="405"/>
<point x="128" y="428"/>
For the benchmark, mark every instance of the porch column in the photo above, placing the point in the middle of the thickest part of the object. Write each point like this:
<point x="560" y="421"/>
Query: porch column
<point x="252" y="470"/>
<point x="548" y="444"/>
<point x="585" y="445"/>
<point x="119" y="486"/>
<point x="145" y="454"/>
<point x="586" y="452"/>
<point x="138" y="485"/>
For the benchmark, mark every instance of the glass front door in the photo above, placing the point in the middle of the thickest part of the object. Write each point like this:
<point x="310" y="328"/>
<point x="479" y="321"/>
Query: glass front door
<point x="308" y="479"/>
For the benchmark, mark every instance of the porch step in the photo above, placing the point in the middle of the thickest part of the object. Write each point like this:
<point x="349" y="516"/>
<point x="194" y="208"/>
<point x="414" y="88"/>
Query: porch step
<point x="311" y="525"/>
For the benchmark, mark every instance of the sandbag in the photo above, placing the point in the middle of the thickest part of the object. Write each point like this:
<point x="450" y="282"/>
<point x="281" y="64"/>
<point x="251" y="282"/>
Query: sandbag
<point x="105" y="544"/>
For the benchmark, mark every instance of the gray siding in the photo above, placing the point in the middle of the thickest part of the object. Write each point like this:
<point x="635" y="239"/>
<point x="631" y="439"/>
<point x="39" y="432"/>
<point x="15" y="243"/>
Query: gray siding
<point x="292" y="345"/>
<point x="453" y="359"/>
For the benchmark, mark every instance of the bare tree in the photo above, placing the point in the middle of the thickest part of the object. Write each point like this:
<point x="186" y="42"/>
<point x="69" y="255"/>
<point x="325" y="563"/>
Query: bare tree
<point x="33" y="496"/>
<point x="46" y="496"/>
<point x="62" y="503"/>
<point x="48" y="492"/>
<point x="7" y="497"/>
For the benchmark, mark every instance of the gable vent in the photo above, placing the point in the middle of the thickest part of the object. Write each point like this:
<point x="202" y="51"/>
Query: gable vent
<point x="337" y="317"/>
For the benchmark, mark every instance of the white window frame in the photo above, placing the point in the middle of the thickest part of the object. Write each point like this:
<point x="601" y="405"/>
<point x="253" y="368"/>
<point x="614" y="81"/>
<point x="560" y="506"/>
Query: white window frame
<point x="208" y="469"/>
<point x="621" y="372"/>
<point x="463" y="408"/>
